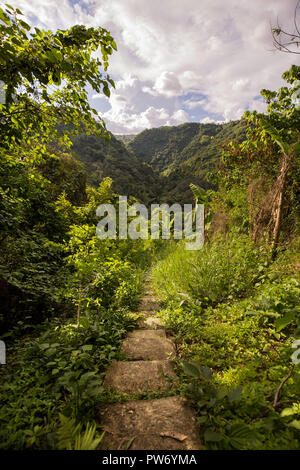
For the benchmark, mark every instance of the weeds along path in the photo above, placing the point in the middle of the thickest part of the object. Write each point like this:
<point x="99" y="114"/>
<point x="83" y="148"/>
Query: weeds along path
<point x="162" y="423"/>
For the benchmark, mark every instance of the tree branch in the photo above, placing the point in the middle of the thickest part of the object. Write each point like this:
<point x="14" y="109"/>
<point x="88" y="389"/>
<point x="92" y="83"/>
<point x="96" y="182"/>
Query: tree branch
<point x="278" y="391"/>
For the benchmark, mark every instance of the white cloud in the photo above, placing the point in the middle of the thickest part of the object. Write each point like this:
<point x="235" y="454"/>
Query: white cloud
<point x="208" y="120"/>
<point x="174" y="51"/>
<point x="98" y="96"/>
<point x="120" y="120"/>
<point x="191" y="104"/>
<point x="168" y="84"/>
<point x="179" y="116"/>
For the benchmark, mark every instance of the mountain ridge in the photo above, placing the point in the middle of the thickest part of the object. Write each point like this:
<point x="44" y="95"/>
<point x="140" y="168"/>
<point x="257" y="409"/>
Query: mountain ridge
<point x="158" y="164"/>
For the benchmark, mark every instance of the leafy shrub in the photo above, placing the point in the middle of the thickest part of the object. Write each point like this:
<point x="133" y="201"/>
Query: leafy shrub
<point x="223" y="269"/>
<point x="61" y="371"/>
<point x="246" y="343"/>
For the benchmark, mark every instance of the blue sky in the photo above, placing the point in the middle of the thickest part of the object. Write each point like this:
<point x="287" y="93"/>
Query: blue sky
<point x="178" y="61"/>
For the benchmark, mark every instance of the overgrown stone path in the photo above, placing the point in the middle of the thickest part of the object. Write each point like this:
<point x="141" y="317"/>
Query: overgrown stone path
<point x="165" y="423"/>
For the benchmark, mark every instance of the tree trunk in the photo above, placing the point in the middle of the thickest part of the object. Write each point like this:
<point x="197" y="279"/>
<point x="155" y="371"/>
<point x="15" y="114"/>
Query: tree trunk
<point x="79" y="305"/>
<point x="281" y="184"/>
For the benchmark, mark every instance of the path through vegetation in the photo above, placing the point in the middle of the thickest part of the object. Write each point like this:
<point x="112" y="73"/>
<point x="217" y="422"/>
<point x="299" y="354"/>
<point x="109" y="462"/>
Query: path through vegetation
<point x="164" y="423"/>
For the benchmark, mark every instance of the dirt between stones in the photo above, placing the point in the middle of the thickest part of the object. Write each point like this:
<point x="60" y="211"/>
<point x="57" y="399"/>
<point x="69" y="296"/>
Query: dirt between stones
<point x="166" y="423"/>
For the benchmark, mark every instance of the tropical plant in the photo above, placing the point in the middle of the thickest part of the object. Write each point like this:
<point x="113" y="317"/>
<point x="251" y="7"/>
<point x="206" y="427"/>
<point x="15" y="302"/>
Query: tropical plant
<point x="72" y="437"/>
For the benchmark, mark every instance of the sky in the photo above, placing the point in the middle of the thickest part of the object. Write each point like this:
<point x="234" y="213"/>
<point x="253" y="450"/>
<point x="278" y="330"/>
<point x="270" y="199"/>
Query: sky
<point x="178" y="60"/>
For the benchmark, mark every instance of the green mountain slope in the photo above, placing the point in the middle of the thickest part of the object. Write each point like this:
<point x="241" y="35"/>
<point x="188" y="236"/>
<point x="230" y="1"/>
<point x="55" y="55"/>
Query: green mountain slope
<point x="130" y="175"/>
<point x="162" y="146"/>
<point x="158" y="164"/>
<point x="125" y="138"/>
<point x="166" y="147"/>
<point x="183" y="154"/>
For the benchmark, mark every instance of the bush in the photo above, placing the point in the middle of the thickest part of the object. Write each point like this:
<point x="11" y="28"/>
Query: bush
<point x="223" y="269"/>
<point x="60" y="372"/>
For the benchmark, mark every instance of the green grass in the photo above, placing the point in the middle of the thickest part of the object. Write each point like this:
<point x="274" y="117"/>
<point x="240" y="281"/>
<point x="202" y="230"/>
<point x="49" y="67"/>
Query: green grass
<point x="222" y="269"/>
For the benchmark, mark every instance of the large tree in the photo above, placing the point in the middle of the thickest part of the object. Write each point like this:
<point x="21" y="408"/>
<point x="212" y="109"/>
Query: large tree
<point x="270" y="155"/>
<point x="46" y="74"/>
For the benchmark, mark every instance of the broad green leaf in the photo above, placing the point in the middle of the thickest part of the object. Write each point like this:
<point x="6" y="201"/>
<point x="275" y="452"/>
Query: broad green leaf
<point x="206" y="372"/>
<point x="212" y="436"/>
<point x="282" y="322"/>
<point x="106" y="90"/>
<point x="288" y="412"/>
<point x="191" y="369"/>
<point x="4" y="17"/>
<point x="221" y="393"/>
<point x="25" y="25"/>
<point x="241" y="436"/>
<point x="295" y="424"/>
<point x="285" y="148"/>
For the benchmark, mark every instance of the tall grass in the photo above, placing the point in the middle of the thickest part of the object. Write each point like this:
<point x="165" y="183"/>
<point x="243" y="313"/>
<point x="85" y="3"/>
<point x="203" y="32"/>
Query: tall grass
<point x="222" y="269"/>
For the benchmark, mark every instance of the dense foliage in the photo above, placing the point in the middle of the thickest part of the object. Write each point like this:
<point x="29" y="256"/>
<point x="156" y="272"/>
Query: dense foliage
<point x="158" y="164"/>
<point x="235" y="324"/>
<point x="67" y="297"/>
<point x="65" y="294"/>
<point x="112" y="159"/>
<point x="234" y="305"/>
<point x="184" y="154"/>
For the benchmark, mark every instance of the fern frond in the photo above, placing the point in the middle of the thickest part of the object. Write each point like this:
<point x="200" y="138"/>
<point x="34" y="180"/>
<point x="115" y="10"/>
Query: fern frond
<point x="66" y="432"/>
<point x="87" y="440"/>
<point x="70" y="436"/>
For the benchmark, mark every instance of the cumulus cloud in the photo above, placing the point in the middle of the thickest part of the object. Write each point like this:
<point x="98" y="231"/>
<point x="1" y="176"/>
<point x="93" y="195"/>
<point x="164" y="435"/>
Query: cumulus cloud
<point x="208" y="120"/>
<point x="191" y="104"/>
<point x="219" y="50"/>
<point x="168" y="84"/>
<point x="124" y="122"/>
<point x="123" y="118"/>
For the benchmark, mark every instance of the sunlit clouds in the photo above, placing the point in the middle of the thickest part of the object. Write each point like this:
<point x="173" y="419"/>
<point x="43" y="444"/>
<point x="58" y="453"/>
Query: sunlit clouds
<point x="198" y="60"/>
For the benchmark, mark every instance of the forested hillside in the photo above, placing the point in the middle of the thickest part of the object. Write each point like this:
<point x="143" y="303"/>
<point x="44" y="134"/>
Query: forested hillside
<point x="158" y="164"/>
<point x="167" y="147"/>
<point x="101" y="159"/>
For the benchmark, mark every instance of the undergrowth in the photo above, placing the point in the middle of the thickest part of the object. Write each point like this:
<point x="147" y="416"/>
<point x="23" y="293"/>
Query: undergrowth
<point x="56" y="375"/>
<point x="235" y="316"/>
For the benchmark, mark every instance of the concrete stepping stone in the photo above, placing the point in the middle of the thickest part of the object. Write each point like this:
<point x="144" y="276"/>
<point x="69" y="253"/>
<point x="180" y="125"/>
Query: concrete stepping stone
<point x="149" y="313"/>
<point x="144" y="376"/>
<point x="149" y="303"/>
<point x="160" y="424"/>
<point x="147" y="345"/>
<point x="151" y="323"/>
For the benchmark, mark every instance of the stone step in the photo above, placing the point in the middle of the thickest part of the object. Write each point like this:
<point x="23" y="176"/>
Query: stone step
<point x="145" y="334"/>
<point x="140" y="376"/>
<point x="149" y="302"/>
<point x="149" y="313"/>
<point x="147" y="345"/>
<point x="151" y="323"/>
<point x="160" y="424"/>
